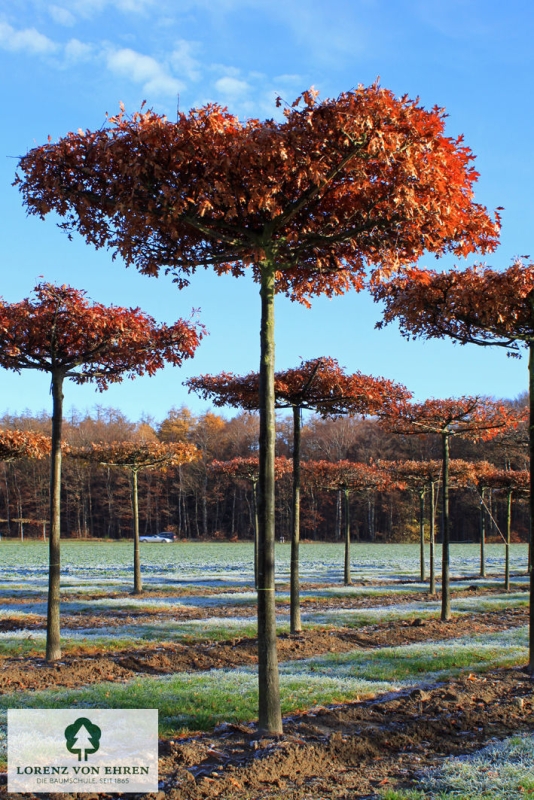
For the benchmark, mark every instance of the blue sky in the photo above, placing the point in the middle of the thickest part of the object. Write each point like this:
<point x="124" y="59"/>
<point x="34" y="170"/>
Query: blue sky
<point x="64" y="64"/>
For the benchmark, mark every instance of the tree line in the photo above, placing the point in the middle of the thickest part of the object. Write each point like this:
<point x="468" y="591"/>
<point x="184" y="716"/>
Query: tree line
<point x="199" y="502"/>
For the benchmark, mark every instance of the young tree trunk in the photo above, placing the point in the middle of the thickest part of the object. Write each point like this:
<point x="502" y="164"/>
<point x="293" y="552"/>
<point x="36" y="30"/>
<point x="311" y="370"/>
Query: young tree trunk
<point x="295" y="621"/>
<point x="256" y="527"/>
<point x="432" y="587"/>
<point x="346" y="577"/>
<point x="270" y="715"/>
<point x="445" y="577"/>
<point x="482" y="534"/>
<point x="507" y="543"/>
<point x="422" y="533"/>
<point x="531" y="503"/>
<point x="53" y="625"/>
<point x="138" y="583"/>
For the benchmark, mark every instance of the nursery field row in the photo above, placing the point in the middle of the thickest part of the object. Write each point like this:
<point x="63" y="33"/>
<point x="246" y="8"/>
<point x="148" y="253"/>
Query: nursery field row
<point x="89" y="565"/>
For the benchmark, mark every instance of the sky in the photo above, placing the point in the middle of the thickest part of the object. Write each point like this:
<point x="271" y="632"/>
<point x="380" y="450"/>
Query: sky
<point x="64" y="64"/>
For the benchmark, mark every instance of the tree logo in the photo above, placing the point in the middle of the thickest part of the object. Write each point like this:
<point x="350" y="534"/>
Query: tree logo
<point x="82" y="738"/>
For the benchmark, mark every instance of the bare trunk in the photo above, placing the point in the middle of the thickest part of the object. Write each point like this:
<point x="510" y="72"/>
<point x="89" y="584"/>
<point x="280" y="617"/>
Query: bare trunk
<point x="256" y="526"/>
<point x="445" y="575"/>
<point x="432" y="588"/>
<point x="53" y="625"/>
<point x="346" y="577"/>
<point x="507" y="543"/>
<point x="269" y="716"/>
<point x="422" y="534"/>
<point x="295" y="621"/>
<point x="138" y="583"/>
<point x="531" y="505"/>
<point x="482" y="534"/>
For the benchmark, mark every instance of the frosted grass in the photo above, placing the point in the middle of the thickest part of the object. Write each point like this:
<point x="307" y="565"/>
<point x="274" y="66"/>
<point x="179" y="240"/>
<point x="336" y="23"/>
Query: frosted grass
<point x="93" y="565"/>
<point x="199" y="700"/>
<point x="501" y="771"/>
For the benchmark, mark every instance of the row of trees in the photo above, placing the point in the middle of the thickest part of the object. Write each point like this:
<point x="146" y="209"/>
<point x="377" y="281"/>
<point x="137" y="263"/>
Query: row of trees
<point x="198" y="501"/>
<point x="339" y="191"/>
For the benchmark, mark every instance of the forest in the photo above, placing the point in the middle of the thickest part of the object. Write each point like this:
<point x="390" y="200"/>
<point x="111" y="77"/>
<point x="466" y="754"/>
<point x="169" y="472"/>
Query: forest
<point x="203" y="500"/>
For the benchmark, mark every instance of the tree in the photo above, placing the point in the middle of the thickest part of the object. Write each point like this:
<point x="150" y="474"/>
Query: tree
<point x="347" y="477"/>
<point x="135" y="457"/>
<point x="320" y="385"/>
<point x="248" y="469"/>
<point x="509" y="482"/>
<point x="477" y="305"/>
<point x="61" y="333"/>
<point x="15" y="444"/>
<point x="474" y="418"/>
<point x="420" y="477"/>
<point x="365" y="181"/>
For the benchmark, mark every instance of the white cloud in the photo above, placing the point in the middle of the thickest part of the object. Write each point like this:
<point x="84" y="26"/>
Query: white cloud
<point x="154" y="77"/>
<point x="183" y="61"/>
<point x="231" y="87"/>
<point x="28" y="40"/>
<point x="78" y="51"/>
<point x="62" y="16"/>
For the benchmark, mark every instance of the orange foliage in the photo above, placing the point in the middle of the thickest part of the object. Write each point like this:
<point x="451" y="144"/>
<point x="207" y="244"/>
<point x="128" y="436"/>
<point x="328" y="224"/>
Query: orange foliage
<point x="350" y="475"/>
<point x="477" y="304"/>
<point x="319" y="384"/>
<point x="248" y="469"/>
<point x="23" y="444"/>
<point x="475" y="418"/>
<point x="364" y="179"/>
<point x="62" y="333"/>
<point x="137" y="456"/>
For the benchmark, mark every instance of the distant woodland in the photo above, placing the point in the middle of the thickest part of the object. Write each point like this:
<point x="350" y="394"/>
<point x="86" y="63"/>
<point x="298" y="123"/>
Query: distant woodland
<point x="198" y="503"/>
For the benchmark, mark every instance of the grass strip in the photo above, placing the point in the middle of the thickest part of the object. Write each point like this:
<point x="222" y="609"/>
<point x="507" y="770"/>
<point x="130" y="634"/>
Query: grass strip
<point x="500" y="771"/>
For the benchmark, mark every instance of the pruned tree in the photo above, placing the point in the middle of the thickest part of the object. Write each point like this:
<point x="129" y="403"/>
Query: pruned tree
<point x="248" y="469"/>
<point x="61" y="333"/>
<point x="365" y="182"/>
<point x="15" y="444"/>
<point x="510" y="483"/>
<point x="474" y="418"/>
<point x="137" y="457"/>
<point x="348" y="477"/>
<point x="477" y="305"/>
<point x="420" y="477"/>
<point x="319" y="385"/>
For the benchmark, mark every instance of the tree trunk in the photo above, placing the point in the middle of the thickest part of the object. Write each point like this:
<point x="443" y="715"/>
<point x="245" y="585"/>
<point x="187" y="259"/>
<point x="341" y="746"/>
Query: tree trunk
<point x="295" y="621"/>
<point x="432" y="587"/>
<point x="270" y="716"/>
<point x="256" y="527"/>
<point x="138" y="583"/>
<point x="53" y="625"/>
<point x="507" y="543"/>
<point x="482" y="534"/>
<point x="531" y="504"/>
<point x="422" y="533"/>
<point x="346" y="578"/>
<point x="445" y="577"/>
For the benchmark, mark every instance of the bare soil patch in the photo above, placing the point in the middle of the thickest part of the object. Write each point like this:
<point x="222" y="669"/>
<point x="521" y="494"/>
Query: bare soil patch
<point x="26" y="673"/>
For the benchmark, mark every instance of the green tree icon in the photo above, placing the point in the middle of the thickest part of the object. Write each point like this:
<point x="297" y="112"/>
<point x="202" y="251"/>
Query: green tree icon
<point x="83" y="737"/>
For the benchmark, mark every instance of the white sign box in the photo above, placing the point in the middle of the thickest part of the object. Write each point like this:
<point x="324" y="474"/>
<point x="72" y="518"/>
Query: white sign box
<point x="82" y="750"/>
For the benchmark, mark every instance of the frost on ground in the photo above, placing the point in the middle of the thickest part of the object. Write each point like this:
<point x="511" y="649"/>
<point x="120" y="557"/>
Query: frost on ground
<point x="501" y="771"/>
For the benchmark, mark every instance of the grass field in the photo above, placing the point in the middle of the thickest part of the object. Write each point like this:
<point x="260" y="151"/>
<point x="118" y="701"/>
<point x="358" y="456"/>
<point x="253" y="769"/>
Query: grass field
<point x="214" y="582"/>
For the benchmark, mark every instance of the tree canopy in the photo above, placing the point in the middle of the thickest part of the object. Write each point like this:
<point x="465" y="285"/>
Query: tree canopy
<point x="364" y="178"/>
